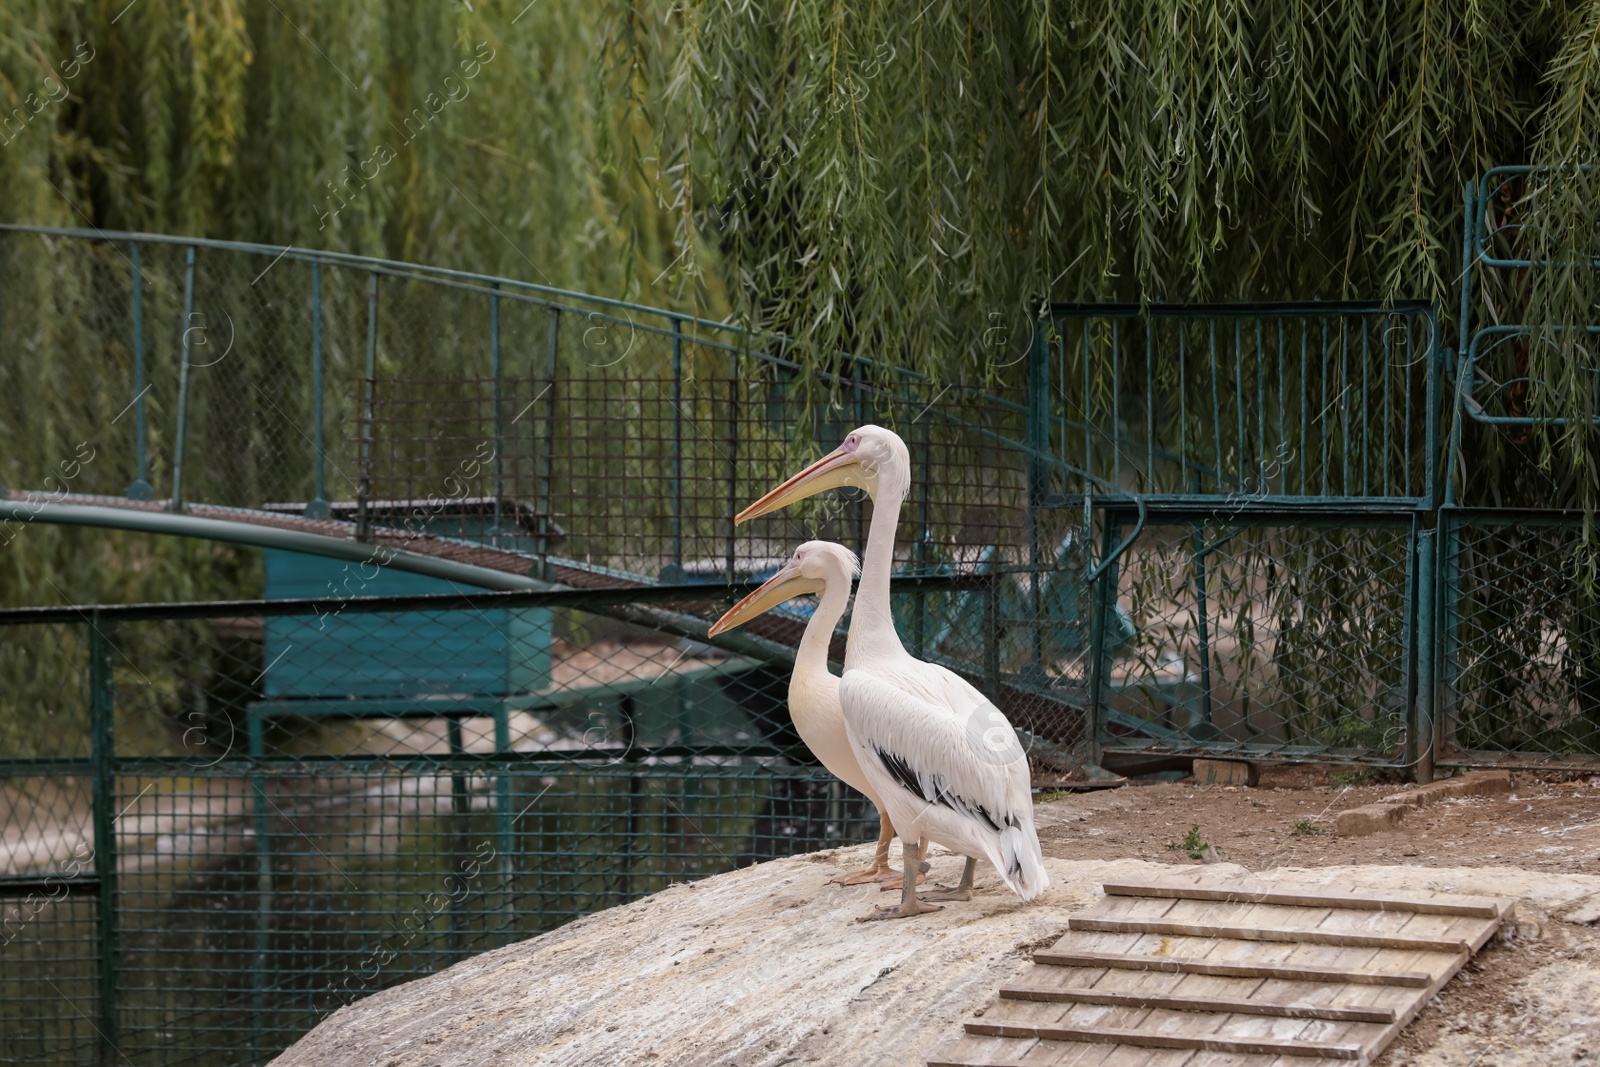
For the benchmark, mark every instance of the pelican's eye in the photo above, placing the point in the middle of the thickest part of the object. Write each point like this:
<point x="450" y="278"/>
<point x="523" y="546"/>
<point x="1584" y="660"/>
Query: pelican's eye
<point x="852" y="442"/>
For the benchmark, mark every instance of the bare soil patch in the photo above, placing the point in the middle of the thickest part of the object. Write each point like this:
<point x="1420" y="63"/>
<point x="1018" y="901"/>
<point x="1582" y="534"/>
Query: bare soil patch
<point x="1288" y="821"/>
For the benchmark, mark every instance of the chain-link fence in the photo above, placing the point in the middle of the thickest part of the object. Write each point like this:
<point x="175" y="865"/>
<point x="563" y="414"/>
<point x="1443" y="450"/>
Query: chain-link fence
<point x="1521" y="643"/>
<point x="236" y="817"/>
<point x="1266" y="639"/>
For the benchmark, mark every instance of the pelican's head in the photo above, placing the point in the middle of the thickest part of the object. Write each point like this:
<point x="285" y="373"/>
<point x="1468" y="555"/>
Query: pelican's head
<point x="815" y="566"/>
<point x="869" y="458"/>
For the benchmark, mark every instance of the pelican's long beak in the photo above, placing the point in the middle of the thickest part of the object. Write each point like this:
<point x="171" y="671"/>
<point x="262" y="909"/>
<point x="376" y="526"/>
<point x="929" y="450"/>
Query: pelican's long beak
<point x="785" y="585"/>
<point x="837" y="468"/>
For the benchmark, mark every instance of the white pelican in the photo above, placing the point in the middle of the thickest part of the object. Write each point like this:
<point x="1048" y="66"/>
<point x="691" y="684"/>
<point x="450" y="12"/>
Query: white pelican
<point x="827" y="569"/>
<point x="944" y="760"/>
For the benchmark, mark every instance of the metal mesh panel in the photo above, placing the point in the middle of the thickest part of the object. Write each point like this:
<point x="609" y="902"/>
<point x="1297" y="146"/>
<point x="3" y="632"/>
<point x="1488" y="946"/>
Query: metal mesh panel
<point x="1522" y="646"/>
<point x="48" y="999"/>
<point x="1266" y="640"/>
<point x="52" y="951"/>
<point x="307" y="886"/>
<point x="308" y="804"/>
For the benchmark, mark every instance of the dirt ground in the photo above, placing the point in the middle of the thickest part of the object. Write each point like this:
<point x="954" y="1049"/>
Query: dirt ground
<point x="1508" y="1001"/>
<point x="1544" y="825"/>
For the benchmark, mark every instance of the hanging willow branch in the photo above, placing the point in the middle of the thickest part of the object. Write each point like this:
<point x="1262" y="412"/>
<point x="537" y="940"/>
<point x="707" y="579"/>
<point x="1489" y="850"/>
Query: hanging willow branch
<point x="893" y="179"/>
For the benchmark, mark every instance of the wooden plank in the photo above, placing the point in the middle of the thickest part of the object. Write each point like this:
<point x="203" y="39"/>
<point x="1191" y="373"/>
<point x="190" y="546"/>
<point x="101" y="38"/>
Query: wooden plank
<point x="1133" y="1056"/>
<point x="1181" y="1041"/>
<point x="1235" y="915"/>
<point x="1054" y="979"/>
<point x="972" y="1051"/>
<point x="1439" y="928"/>
<point x="1476" y="907"/>
<point x="1258" y="933"/>
<point x="1223" y="913"/>
<point x="1240" y="970"/>
<point x="1474" y="932"/>
<point x="1243" y="1006"/>
<point x="1036" y="1017"/>
<point x="1074" y="1054"/>
<point x="1274" y="953"/>
<point x="1374" y="998"/>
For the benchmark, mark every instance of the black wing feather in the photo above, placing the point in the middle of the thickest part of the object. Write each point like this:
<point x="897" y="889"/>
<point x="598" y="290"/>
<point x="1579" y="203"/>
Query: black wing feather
<point x="921" y="784"/>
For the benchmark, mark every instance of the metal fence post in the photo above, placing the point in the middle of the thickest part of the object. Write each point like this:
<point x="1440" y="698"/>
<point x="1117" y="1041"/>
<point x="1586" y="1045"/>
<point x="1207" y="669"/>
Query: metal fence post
<point x="499" y="430"/>
<point x="102" y="757"/>
<point x="317" y="507"/>
<point x="991" y="630"/>
<point x="1099" y="662"/>
<point x="733" y="456"/>
<point x="921" y="556"/>
<point x="1447" y="630"/>
<point x="1204" y="730"/>
<point x="677" y="450"/>
<point x="183" y="383"/>
<point x="1038" y="438"/>
<point x="139" y="488"/>
<point x="263" y="929"/>
<point x="546" y="457"/>
<point x="368" y="413"/>
<point x="505" y="827"/>
<point x="460" y="820"/>
<point x="1472" y="220"/>
<point x="1423" y="707"/>
<point x="630" y="737"/>
<point x="1430" y="458"/>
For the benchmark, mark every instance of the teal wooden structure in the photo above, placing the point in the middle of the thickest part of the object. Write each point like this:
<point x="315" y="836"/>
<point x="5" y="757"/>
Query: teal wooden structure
<point x="407" y="657"/>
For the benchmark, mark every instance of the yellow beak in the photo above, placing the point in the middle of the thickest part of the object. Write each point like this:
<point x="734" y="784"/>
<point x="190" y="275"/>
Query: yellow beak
<point x="838" y="468"/>
<point x="785" y="585"/>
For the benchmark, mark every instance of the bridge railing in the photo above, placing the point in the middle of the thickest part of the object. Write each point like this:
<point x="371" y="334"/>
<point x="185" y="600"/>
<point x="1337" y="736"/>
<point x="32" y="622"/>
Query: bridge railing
<point x="201" y="373"/>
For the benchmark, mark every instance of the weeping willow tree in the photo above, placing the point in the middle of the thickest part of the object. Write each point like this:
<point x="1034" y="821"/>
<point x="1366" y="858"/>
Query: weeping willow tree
<point x="889" y="179"/>
<point x="467" y="135"/>
<point x="464" y="135"/>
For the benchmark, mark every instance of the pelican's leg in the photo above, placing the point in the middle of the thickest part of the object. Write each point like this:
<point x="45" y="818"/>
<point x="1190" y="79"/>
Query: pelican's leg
<point x="880" y="871"/>
<point x="923" y="867"/>
<point x="960" y="892"/>
<point x="909" y="904"/>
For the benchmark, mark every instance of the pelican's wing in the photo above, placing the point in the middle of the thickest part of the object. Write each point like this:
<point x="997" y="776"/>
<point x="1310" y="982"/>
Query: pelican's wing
<point x="938" y="686"/>
<point x="965" y="759"/>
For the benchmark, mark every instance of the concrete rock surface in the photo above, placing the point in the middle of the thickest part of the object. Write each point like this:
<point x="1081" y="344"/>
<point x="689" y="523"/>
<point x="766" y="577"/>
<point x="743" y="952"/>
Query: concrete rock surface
<point x="768" y="966"/>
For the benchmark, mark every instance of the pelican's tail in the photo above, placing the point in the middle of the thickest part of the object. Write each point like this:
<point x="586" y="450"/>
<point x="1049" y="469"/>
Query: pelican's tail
<point x="1020" y="862"/>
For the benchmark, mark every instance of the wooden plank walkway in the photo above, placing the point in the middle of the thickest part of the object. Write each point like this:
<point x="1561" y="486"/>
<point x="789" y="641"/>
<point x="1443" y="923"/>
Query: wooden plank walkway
<point x="1196" y="971"/>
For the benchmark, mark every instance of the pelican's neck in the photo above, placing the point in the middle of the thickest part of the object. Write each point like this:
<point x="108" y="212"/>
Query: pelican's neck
<point x="872" y="632"/>
<point x="813" y="655"/>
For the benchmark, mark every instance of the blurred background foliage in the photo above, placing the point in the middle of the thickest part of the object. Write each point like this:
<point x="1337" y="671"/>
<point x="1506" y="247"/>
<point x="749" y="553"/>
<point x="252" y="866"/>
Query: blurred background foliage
<point x="900" y="180"/>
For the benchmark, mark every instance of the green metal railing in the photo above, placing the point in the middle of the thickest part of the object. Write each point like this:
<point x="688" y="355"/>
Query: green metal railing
<point x="1492" y="380"/>
<point x="1328" y="402"/>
